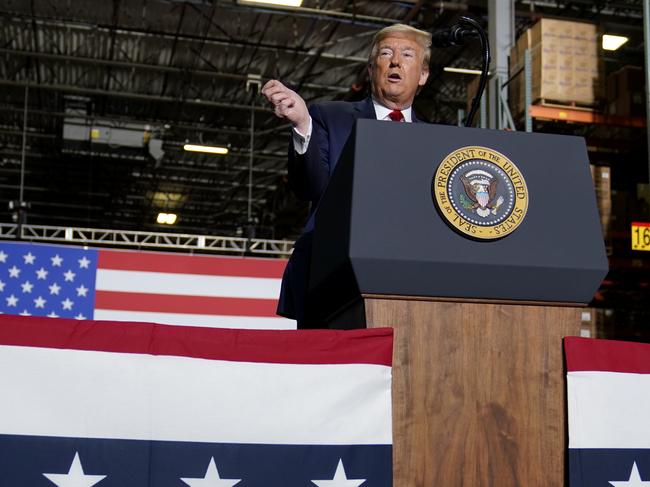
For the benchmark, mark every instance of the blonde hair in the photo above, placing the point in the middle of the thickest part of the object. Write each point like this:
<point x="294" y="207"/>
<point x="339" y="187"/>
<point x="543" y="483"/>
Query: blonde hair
<point x="402" y="30"/>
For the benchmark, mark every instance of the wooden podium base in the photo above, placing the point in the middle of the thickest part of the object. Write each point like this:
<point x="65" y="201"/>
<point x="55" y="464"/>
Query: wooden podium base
<point x="478" y="392"/>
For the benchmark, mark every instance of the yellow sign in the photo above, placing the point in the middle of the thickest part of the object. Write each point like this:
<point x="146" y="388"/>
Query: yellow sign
<point x="640" y="236"/>
<point x="480" y="192"/>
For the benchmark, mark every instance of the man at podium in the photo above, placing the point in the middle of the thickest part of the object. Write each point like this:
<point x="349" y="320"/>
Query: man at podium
<point x="398" y="65"/>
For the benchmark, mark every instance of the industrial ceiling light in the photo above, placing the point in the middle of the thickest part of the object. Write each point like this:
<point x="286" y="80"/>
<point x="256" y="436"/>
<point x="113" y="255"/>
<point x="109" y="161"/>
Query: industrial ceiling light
<point x="166" y="218"/>
<point x="450" y="69"/>
<point x="205" y="148"/>
<point x="280" y="3"/>
<point x="611" y="43"/>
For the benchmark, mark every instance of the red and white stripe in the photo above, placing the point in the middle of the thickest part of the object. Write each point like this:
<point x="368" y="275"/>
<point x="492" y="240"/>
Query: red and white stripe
<point x="608" y="393"/>
<point x="227" y="292"/>
<point x="141" y="381"/>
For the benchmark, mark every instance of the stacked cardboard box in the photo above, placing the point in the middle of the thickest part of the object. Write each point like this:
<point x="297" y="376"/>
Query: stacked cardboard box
<point x="626" y="92"/>
<point x="565" y="64"/>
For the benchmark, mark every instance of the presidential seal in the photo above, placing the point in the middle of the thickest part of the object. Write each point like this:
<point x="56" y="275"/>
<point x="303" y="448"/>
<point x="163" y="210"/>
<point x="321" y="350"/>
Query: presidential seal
<point x="480" y="193"/>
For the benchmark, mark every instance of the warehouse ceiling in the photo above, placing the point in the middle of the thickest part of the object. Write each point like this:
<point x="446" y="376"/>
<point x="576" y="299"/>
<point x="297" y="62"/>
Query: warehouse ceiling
<point x="114" y="89"/>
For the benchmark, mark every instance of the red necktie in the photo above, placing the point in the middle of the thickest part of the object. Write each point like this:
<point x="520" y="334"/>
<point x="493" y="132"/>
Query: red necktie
<point x="396" y="116"/>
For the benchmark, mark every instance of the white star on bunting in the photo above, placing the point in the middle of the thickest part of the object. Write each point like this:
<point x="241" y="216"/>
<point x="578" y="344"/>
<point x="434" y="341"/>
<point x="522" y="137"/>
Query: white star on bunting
<point x="82" y="291"/>
<point x="29" y="258"/>
<point x="27" y="287"/>
<point x="56" y="261"/>
<point x="67" y="304"/>
<point x="25" y="313"/>
<point x="41" y="273"/>
<point x="69" y="276"/>
<point x="52" y="315"/>
<point x="340" y="479"/>
<point x="14" y="272"/>
<point x="39" y="302"/>
<point x="211" y="478"/>
<point x="80" y="317"/>
<point x="83" y="263"/>
<point x="12" y="300"/>
<point x="2" y="286"/>
<point x="54" y="288"/>
<point x="634" y="481"/>
<point x="3" y="257"/>
<point x="75" y="476"/>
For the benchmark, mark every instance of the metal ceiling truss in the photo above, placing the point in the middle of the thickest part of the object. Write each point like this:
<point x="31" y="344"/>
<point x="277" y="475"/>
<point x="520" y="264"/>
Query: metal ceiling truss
<point x="147" y="240"/>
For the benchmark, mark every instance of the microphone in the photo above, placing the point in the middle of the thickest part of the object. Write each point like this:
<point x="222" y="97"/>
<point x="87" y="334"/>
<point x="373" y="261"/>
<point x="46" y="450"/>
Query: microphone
<point x="456" y="35"/>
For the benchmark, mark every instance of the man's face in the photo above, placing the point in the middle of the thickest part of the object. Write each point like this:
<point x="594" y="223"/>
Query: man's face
<point x="397" y="71"/>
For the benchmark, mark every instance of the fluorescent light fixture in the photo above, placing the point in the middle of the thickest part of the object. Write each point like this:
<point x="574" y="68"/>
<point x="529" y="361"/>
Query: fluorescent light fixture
<point x="280" y="3"/>
<point x="166" y="218"/>
<point x="205" y="148"/>
<point x="611" y="43"/>
<point x="449" y="69"/>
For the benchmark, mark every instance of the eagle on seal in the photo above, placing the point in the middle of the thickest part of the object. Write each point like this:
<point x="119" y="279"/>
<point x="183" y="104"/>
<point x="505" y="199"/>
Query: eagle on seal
<point x="481" y="191"/>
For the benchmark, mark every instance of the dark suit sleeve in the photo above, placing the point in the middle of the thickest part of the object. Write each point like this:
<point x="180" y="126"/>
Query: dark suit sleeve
<point x="309" y="173"/>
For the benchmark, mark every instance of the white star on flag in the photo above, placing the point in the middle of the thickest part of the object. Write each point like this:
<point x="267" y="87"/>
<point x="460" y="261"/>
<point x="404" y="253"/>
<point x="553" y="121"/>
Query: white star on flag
<point x="211" y="478"/>
<point x="14" y="272"/>
<point x="83" y="263"/>
<point x="52" y="315"/>
<point x="27" y="287"/>
<point x="56" y="261"/>
<point x="340" y="479"/>
<point x="54" y="288"/>
<point x="12" y="300"/>
<point x="75" y="476"/>
<point x="2" y="286"/>
<point x="80" y="317"/>
<point x="69" y="276"/>
<point x="82" y="291"/>
<point x="634" y="480"/>
<point x="29" y="258"/>
<point x="39" y="302"/>
<point x="25" y="313"/>
<point x="3" y="257"/>
<point x="67" y="304"/>
<point x="41" y="273"/>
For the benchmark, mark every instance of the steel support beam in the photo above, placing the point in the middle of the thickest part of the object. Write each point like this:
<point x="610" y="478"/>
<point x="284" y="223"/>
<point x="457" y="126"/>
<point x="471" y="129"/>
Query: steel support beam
<point x="501" y="18"/>
<point x="162" y="35"/>
<point x="646" y="46"/>
<point x="180" y="71"/>
<point x="136" y="96"/>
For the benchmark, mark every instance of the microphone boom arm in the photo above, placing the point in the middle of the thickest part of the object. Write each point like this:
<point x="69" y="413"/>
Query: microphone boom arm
<point x="485" y="47"/>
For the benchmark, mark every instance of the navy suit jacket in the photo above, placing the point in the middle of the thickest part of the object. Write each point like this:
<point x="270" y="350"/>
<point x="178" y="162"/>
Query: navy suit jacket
<point x="309" y="174"/>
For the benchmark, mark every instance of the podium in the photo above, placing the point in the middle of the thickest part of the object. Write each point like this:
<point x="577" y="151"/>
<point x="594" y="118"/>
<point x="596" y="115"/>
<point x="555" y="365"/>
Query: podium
<point x="478" y="375"/>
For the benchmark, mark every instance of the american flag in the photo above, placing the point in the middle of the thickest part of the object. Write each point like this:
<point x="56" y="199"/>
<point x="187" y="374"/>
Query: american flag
<point x="609" y="413"/>
<point x="137" y="405"/>
<point x="122" y="285"/>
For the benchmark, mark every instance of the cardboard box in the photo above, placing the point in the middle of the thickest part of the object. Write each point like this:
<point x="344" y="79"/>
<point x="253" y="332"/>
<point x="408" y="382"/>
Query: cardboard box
<point x="566" y="67"/>
<point x="626" y="92"/>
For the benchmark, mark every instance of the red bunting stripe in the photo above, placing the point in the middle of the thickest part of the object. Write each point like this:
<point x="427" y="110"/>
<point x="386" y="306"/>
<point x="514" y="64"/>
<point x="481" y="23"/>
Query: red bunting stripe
<point x="588" y="354"/>
<point x="368" y="346"/>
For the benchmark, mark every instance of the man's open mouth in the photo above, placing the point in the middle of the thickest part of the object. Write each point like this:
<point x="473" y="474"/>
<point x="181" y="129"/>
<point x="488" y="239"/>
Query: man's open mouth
<point x="394" y="76"/>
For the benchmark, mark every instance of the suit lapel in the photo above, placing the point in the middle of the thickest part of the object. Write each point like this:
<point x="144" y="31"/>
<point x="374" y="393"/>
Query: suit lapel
<point x="365" y="109"/>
